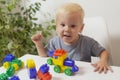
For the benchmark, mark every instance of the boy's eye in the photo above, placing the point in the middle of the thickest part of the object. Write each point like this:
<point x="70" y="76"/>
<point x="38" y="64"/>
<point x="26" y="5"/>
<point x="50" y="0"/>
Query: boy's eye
<point x="73" y="26"/>
<point x="63" y="25"/>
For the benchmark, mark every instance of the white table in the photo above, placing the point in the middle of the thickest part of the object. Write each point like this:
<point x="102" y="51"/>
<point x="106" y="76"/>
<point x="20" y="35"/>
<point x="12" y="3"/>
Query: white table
<point x="85" y="71"/>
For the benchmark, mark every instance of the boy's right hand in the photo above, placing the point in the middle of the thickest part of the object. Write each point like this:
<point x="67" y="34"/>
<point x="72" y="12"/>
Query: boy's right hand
<point x="37" y="38"/>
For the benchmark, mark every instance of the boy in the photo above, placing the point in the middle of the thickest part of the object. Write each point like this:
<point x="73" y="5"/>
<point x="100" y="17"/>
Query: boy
<point x="69" y="23"/>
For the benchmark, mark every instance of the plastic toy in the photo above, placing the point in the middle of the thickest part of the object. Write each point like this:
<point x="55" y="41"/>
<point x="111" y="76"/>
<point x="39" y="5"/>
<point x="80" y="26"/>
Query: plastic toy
<point x="14" y="78"/>
<point x="43" y="73"/>
<point x="8" y="58"/>
<point x="3" y="76"/>
<point x="11" y="64"/>
<point x="17" y="64"/>
<point x="61" y="62"/>
<point x="32" y="68"/>
<point x="33" y="73"/>
<point x="6" y="65"/>
<point x="30" y="63"/>
<point x="44" y="68"/>
<point x="10" y="71"/>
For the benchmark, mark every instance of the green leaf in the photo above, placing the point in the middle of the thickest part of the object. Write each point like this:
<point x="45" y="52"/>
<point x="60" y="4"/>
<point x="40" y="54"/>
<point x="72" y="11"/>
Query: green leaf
<point x="3" y="1"/>
<point x="9" y="46"/>
<point x="10" y="7"/>
<point x="7" y="27"/>
<point x="34" y="18"/>
<point x="1" y="27"/>
<point x="33" y="10"/>
<point x="37" y="8"/>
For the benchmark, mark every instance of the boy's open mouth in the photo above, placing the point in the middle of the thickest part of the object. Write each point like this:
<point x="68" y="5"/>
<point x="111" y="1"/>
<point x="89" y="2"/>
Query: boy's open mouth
<point x="66" y="35"/>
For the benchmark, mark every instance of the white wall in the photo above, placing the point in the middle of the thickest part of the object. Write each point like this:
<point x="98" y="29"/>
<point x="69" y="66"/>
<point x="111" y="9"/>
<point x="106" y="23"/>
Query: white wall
<point x="109" y="9"/>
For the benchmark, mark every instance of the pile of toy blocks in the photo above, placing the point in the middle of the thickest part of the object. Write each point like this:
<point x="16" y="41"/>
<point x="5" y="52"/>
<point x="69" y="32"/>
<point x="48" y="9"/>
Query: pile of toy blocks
<point x="11" y="64"/>
<point x="42" y="74"/>
<point x="32" y="68"/>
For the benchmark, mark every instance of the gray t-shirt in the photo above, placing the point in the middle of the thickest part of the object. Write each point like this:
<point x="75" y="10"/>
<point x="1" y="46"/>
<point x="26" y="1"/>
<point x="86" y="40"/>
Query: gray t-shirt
<point x="82" y="50"/>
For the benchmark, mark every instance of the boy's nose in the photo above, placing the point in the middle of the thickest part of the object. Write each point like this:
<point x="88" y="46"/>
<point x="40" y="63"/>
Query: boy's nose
<point x="67" y="28"/>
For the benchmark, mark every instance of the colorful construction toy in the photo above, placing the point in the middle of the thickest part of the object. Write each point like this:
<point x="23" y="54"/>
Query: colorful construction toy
<point x="10" y="60"/>
<point x="43" y="73"/>
<point x="32" y="69"/>
<point x="11" y="64"/>
<point x="61" y="62"/>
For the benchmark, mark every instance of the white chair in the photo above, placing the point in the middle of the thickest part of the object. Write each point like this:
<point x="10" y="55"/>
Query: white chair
<point x="96" y="28"/>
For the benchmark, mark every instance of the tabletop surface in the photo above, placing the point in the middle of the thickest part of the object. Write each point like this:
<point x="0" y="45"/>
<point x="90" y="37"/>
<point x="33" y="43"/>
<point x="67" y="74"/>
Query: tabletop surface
<point x="85" y="71"/>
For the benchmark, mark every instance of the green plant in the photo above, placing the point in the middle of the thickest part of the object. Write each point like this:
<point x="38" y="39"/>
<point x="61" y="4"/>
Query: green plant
<point x="17" y="25"/>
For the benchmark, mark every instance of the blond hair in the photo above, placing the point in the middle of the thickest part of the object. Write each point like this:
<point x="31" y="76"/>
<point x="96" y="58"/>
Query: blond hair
<point x="70" y="8"/>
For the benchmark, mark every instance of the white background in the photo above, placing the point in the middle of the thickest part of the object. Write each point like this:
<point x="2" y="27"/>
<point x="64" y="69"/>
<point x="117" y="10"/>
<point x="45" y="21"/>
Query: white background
<point x="109" y="9"/>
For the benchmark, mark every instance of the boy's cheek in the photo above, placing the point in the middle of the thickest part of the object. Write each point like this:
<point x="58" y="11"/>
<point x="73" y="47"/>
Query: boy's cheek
<point x="58" y="32"/>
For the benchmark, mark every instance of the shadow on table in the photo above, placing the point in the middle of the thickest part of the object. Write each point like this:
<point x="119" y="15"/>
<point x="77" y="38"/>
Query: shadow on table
<point x="80" y="72"/>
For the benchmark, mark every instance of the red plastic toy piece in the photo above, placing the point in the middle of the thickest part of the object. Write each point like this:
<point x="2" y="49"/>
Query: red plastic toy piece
<point x="45" y="76"/>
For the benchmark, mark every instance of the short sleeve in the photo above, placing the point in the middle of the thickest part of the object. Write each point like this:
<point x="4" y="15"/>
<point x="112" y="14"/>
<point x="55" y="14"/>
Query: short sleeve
<point x="96" y="49"/>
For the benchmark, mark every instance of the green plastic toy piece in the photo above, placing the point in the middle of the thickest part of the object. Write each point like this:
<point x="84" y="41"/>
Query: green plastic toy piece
<point x="3" y="76"/>
<point x="68" y="71"/>
<point x="17" y="61"/>
<point x="57" y="69"/>
<point x="49" y="61"/>
<point x="10" y="71"/>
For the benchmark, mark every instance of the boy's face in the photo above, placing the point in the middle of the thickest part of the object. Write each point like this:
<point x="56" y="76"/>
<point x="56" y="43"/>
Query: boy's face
<point x="68" y="27"/>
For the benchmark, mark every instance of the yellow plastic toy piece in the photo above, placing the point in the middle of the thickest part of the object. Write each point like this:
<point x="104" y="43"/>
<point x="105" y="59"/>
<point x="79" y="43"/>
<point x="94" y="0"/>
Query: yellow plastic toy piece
<point x="30" y="63"/>
<point x="15" y="66"/>
<point x="6" y="65"/>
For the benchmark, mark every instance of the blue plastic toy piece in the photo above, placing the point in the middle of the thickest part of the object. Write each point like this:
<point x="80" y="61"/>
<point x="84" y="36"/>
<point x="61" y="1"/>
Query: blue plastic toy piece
<point x="75" y="68"/>
<point x="51" y="53"/>
<point x="14" y="78"/>
<point x="44" y="68"/>
<point x="33" y="73"/>
<point x="8" y="58"/>
<point x="69" y="62"/>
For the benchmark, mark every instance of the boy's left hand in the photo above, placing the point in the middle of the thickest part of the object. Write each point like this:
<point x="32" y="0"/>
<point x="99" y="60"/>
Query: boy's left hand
<point x="102" y="66"/>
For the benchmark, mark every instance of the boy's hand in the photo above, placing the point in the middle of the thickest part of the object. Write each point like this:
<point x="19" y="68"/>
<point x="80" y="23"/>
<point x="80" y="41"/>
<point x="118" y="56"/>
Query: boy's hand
<point x="102" y="66"/>
<point x="37" y="38"/>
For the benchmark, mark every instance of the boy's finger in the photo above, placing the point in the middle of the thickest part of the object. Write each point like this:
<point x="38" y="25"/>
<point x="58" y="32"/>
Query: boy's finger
<point x="33" y="37"/>
<point x="100" y="70"/>
<point x="105" y="70"/>
<point x="109" y="68"/>
<point x="40" y="34"/>
<point x="94" y="65"/>
<point x="96" y="69"/>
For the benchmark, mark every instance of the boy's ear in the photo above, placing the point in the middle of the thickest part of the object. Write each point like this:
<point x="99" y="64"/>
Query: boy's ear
<point x="81" y="29"/>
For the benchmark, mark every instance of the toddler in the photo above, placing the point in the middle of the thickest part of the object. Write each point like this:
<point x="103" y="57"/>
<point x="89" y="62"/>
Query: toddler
<point x="69" y="26"/>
